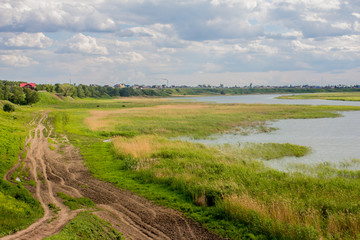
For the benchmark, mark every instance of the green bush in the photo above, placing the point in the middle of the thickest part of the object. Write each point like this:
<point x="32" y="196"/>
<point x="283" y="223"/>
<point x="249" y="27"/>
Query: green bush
<point x="8" y="107"/>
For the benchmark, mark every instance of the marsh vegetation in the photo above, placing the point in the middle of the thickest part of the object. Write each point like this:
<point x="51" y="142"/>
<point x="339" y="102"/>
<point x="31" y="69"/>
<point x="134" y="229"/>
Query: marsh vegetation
<point x="340" y="96"/>
<point x="227" y="188"/>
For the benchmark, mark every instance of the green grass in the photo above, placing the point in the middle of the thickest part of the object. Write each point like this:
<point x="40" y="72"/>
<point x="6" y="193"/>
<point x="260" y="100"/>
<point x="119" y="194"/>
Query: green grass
<point x="341" y="96"/>
<point x="87" y="226"/>
<point x="227" y="189"/>
<point x="200" y="120"/>
<point x="17" y="208"/>
<point x="76" y="203"/>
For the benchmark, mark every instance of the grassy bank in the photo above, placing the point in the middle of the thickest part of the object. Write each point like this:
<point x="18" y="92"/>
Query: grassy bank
<point x="18" y="208"/>
<point x="341" y="96"/>
<point x="87" y="226"/>
<point x="226" y="188"/>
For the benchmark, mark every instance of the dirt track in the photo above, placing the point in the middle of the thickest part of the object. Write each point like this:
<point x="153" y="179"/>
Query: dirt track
<point x="135" y="217"/>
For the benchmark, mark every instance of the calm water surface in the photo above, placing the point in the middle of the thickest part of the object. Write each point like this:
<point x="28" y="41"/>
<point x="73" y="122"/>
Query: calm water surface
<point x="332" y="140"/>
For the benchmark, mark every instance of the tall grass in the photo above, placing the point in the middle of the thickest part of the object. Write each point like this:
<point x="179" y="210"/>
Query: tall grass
<point x="211" y="177"/>
<point x="276" y="204"/>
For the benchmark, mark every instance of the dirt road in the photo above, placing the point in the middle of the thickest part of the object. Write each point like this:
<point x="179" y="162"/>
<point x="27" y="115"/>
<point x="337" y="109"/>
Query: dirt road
<point x="135" y="217"/>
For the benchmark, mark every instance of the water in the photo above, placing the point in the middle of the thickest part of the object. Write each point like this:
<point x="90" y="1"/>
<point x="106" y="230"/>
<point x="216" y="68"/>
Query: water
<point x="268" y="99"/>
<point x="333" y="140"/>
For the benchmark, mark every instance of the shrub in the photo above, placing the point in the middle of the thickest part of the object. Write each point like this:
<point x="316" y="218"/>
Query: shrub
<point x="8" y="107"/>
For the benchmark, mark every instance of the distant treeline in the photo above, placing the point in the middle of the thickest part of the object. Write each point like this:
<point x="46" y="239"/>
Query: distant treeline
<point x="12" y="92"/>
<point x="82" y="91"/>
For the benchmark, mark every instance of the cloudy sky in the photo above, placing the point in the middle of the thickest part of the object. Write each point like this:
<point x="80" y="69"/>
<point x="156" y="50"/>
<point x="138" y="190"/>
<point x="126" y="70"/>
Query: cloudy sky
<point x="230" y="42"/>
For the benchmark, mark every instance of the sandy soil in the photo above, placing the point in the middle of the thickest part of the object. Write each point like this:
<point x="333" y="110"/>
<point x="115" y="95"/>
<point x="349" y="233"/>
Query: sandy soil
<point x="135" y="217"/>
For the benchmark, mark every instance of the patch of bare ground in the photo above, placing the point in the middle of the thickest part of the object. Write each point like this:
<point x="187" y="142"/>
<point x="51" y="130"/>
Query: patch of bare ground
<point x="133" y="216"/>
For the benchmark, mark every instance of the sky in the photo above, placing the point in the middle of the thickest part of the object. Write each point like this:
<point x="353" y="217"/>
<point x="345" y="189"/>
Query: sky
<point x="181" y="42"/>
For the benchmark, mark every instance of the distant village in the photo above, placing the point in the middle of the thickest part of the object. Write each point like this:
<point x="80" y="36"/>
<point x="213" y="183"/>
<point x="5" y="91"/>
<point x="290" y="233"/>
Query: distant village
<point x="137" y="86"/>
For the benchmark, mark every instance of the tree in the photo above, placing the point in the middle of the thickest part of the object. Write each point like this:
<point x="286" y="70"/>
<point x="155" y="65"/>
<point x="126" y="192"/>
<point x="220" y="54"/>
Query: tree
<point x="2" y="94"/>
<point x="87" y="90"/>
<point x="127" y="92"/>
<point x="18" y="96"/>
<point x="80" y="91"/>
<point x="7" y="92"/>
<point x="31" y="96"/>
<point x="74" y="93"/>
<point x="67" y="89"/>
<point x="58" y="88"/>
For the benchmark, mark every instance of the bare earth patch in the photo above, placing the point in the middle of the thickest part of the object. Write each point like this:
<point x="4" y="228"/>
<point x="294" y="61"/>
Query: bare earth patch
<point x="135" y="217"/>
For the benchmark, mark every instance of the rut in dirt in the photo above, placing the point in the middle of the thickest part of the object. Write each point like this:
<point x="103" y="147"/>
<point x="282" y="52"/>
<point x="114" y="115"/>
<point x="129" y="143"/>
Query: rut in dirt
<point x="133" y="216"/>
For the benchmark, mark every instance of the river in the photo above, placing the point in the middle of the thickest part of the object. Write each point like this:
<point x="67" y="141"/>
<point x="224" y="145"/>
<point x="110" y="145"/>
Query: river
<point x="332" y="140"/>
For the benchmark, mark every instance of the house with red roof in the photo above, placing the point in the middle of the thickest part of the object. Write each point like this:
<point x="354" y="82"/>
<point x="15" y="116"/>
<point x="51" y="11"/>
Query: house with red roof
<point x="28" y="85"/>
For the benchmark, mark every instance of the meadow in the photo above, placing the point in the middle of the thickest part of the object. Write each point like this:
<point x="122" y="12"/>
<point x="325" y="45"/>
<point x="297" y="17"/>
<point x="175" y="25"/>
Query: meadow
<point x="226" y="188"/>
<point x="339" y="96"/>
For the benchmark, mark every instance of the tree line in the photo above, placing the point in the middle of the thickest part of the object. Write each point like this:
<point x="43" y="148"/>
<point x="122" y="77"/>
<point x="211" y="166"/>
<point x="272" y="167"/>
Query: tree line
<point x="12" y="92"/>
<point x="95" y="91"/>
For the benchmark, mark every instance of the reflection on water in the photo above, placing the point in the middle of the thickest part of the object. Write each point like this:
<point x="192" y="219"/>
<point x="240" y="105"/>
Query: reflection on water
<point x="332" y="140"/>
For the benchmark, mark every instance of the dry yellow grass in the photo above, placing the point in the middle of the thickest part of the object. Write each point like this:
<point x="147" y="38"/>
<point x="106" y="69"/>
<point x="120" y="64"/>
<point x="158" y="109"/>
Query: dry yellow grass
<point x="343" y="222"/>
<point x="280" y="210"/>
<point x="138" y="147"/>
<point x="104" y="120"/>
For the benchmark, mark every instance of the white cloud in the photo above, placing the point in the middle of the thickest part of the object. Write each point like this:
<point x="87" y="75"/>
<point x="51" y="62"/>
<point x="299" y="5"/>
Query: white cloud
<point x="342" y="25"/>
<point x="323" y="5"/>
<point x="314" y="18"/>
<point x="29" y="40"/>
<point x="211" y="67"/>
<point x="250" y="5"/>
<point x="357" y="26"/>
<point x="53" y="15"/>
<point x="130" y="57"/>
<point x="84" y="44"/>
<point x="356" y="14"/>
<point x="259" y="47"/>
<point x="240" y="49"/>
<point x="17" y="60"/>
<point x="167" y="50"/>
<point x="295" y="34"/>
<point x="178" y="37"/>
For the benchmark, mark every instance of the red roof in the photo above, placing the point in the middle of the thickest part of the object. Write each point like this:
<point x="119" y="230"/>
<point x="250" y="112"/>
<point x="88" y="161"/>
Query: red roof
<point x="28" y="84"/>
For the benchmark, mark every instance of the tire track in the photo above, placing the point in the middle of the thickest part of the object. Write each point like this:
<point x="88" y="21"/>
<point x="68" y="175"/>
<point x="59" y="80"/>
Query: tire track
<point x="135" y="217"/>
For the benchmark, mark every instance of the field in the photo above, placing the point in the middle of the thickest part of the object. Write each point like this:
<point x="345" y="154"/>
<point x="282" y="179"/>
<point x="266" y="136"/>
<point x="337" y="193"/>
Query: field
<point x="340" y="96"/>
<point x="226" y="188"/>
<point x="17" y="208"/>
